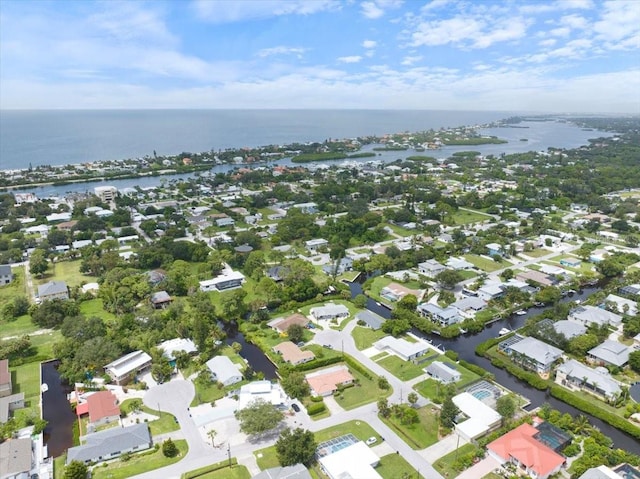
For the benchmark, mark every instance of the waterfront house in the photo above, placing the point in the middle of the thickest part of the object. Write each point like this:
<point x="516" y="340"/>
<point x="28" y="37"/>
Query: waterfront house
<point x="481" y="418"/>
<point x="111" y="443"/>
<point x="329" y="312"/>
<point x="530" y="353"/>
<point x="6" y="275"/>
<point x="123" y="369"/>
<point x="53" y="290"/>
<point x="521" y="448"/>
<point x="281" y="325"/>
<point x="339" y="266"/>
<point x="172" y="346"/>
<point x="609" y="353"/>
<point x="577" y="376"/>
<point x="569" y="329"/>
<point x="402" y="348"/>
<point x="632" y="290"/>
<point x="264" y="390"/>
<point x="442" y="316"/>
<point x="588" y="315"/>
<point x="621" y="305"/>
<point x="370" y="319"/>
<point x="430" y="268"/>
<point x="223" y="370"/>
<point x="469" y="305"/>
<point x="103" y="408"/>
<point x="538" y="277"/>
<point x="443" y="372"/>
<point x="490" y="291"/>
<point x="292" y="354"/>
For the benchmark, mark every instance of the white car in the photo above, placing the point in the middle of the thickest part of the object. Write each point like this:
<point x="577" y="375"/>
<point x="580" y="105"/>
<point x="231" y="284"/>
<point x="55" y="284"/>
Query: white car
<point x="371" y="440"/>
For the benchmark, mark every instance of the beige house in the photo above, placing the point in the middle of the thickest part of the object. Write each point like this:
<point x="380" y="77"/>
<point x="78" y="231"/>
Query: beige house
<point x="293" y="354"/>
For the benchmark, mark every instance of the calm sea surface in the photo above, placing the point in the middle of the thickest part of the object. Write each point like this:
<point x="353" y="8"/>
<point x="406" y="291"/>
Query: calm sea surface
<point x="64" y="137"/>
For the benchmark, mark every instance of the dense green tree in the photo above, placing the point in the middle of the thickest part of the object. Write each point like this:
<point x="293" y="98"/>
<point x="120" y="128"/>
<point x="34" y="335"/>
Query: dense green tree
<point x="295" y="385"/>
<point x="38" y="262"/>
<point x="75" y="470"/>
<point x="259" y="417"/>
<point x="51" y="313"/>
<point x="610" y="267"/>
<point x="296" y="447"/>
<point x="448" y="413"/>
<point x="295" y="332"/>
<point x="449" y="278"/>
<point x="548" y="295"/>
<point x="634" y="361"/>
<point x="408" y="302"/>
<point x="506" y="407"/>
<point x="169" y="448"/>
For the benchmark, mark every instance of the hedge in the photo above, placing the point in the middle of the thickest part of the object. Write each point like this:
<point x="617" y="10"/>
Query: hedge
<point x="357" y="366"/>
<point x="318" y="363"/>
<point x="207" y="469"/>
<point x="529" y="377"/>
<point x="316" y="408"/>
<point x="585" y="405"/>
<point x="482" y="348"/>
<point x="474" y="368"/>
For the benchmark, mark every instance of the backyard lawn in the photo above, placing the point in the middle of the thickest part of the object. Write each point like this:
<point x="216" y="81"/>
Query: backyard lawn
<point x="394" y="466"/>
<point x="165" y="423"/>
<point x="538" y="252"/>
<point x="486" y="264"/>
<point x="15" y="288"/>
<point x="18" y="327"/>
<point x="67" y="271"/>
<point x="430" y="388"/>
<point x="225" y="471"/>
<point x="364" y="337"/>
<point x="26" y="379"/>
<point x="446" y="464"/>
<point x="93" y="307"/>
<point x="421" y="434"/>
<point x="464" y="217"/>
<point x="365" y="392"/>
<point x="403" y="370"/>
<point x="359" y="429"/>
<point x="139" y="463"/>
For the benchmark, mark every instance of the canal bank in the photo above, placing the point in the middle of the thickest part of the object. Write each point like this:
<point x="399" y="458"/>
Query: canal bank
<point x="466" y="345"/>
<point x="56" y="410"/>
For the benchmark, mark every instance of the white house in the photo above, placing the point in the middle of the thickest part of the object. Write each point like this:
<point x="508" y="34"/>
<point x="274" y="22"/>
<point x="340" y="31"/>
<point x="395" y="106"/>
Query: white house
<point x="223" y="370"/>
<point x="315" y="244"/>
<point x="588" y="315"/>
<point x="443" y="372"/>
<point x="481" y="418"/>
<point x="226" y="280"/>
<point x="122" y="369"/>
<point x="264" y="391"/>
<point x="329" y="311"/>
<point x="355" y="461"/>
<point x="402" y="348"/>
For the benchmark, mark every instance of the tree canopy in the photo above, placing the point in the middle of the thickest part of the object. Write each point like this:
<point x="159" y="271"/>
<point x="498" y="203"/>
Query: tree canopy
<point x="259" y="417"/>
<point x="295" y="447"/>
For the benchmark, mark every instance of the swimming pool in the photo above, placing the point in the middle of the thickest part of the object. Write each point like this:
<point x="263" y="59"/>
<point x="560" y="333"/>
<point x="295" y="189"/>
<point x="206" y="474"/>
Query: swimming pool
<point x="334" y="445"/>
<point x="482" y="394"/>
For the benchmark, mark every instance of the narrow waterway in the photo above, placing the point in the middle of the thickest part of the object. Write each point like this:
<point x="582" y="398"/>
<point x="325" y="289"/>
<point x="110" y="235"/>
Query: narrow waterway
<point x="466" y="345"/>
<point x="58" y="434"/>
<point x="250" y="352"/>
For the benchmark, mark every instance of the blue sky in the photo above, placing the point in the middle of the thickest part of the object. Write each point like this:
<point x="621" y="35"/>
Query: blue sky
<point x="556" y="56"/>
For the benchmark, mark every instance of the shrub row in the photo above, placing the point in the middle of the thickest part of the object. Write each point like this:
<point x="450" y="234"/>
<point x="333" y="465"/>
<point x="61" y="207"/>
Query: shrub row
<point x="474" y="369"/>
<point x="482" y="348"/>
<point x="355" y="365"/>
<point x="317" y="363"/>
<point x="316" y="408"/>
<point x="527" y="376"/>
<point x="587" y="405"/>
<point x="207" y="469"/>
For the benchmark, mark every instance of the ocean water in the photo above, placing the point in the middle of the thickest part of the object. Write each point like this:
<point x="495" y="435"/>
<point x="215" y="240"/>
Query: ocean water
<point x="68" y="137"/>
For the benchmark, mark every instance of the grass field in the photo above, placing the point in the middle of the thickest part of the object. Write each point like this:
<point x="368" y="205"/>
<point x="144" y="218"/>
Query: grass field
<point x="485" y="264"/>
<point x="403" y="370"/>
<point x="399" y="230"/>
<point x="364" y="337"/>
<point x="365" y="392"/>
<point x="267" y="458"/>
<point x="538" y="252"/>
<point x="418" y="435"/>
<point x="15" y="288"/>
<point x="359" y="429"/>
<point x="165" y="423"/>
<point x="139" y="463"/>
<point x="430" y="388"/>
<point x="394" y="466"/>
<point x="464" y="217"/>
<point x="94" y="307"/>
<point x="446" y="464"/>
<point x="235" y="472"/>
<point x="67" y="271"/>
<point x="18" y="327"/>
<point x="26" y="379"/>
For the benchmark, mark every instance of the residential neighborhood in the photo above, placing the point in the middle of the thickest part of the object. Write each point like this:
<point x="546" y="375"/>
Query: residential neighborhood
<point x="424" y="317"/>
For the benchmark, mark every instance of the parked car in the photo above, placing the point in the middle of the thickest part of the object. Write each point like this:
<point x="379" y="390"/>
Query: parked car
<point x="371" y="440"/>
<point x="328" y="346"/>
<point x="295" y="407"/>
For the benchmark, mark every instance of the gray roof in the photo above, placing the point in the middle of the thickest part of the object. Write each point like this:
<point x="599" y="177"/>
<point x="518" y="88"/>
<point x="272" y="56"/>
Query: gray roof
<point x="51" y="288"/>
<point x="5" y="270"/>
<point x="469" y="302"/>
<point x="593" y="315"/>
<point x="611" y="352"/>
<point x="372" y="319"/>
<point x="297" y="471"/>
<point x="109" y="441"/>
<point x="435" y="310"/>
<point x="15" y="457"/>
<point x="160" y="297"/>
<point x="577" y="370"/>
<point x="223" y="368"/>
<point x="538" y="350"/>
<point x="569" y="329"/>
<point x="600" y="472"/>
<point x="443" y="371"/>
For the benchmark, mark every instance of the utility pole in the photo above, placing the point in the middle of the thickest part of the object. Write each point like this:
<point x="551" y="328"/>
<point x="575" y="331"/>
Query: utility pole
<point x="229" y="452"/>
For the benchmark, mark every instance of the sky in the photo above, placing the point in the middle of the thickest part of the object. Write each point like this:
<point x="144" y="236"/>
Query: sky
<point x="566" y="56"/>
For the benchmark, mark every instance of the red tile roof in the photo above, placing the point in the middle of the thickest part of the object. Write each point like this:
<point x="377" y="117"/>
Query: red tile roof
<point x="102" y="404"/>
<point x="5" y="375"/>
<point x="520" y="444"/>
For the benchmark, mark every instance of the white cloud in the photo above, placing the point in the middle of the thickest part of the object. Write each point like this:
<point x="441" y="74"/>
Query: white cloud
<point x="620" y="22"/>
<point x="434" y="5"/>
<point x="558" y="5"/>
<point x="350" y="59"/>
<point x="377" y="8"/>
<point x="575" y="22"/>
<point x="411" y="60"/>
<point x="549" y="42"/>
<point x="369" y="44"/>
<point x="281" y="50"/>
<point x="563" y="32"/>
<point x="228" y="11"/>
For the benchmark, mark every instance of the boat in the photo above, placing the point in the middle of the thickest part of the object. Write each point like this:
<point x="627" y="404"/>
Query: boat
<point x="463" y="331"/>
<point x="504" y="331"/>
<point x="521" y="312"/>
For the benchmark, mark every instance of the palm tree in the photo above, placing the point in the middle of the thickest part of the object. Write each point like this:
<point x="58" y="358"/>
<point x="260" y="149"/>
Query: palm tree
<point x="581" y="424"/>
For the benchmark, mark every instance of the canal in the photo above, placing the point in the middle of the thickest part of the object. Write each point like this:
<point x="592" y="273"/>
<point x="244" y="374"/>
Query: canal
<point x="250" y="352"/>
<point x="58" y="435"/>
<point x="466" y="345"/>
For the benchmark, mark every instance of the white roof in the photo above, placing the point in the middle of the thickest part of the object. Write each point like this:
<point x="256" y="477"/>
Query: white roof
<point x="128" y="363"/>
<point x="171" y="346"/>
<point x="223" y="368"/>
<point x="353" y="462"/>
<point x="261" y="390"/>
<point x="481" y="416"/>
<point x="227" y="275"/>
<point x="401" y="346"/>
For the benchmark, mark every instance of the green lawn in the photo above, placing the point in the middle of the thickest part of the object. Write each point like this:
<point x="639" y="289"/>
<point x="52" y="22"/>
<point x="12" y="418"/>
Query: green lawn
<point x="18" y="327"/>
<point x="94" y="307"/>
<point x="394" y="466"/>
<point x="359" y="429"/>
<point x="364" y="337"/>
<point x="446" y="464"/>
<point x="492" y="475"/>
<point x="350" y="306"/>
<point x="485" y="264"/>
<point x="376" y="286"/>
<point x="430" y="388"/>
<point x="463" y="217"/>
<point x="403" y="370"/>
<point x="538" y="253"/>
<point x="267" y="458"/>
<point x="399" y="230"/>
<point x="67" y="271"/>
<point x="234" y="472"/>
<point x="365" y="392"/>
<point x="16" y="288"/>
<point x="26" y="379"/>
<point x="165" y="423"/>
<point x="139" y="464"/>
<point x="419" y="435"/>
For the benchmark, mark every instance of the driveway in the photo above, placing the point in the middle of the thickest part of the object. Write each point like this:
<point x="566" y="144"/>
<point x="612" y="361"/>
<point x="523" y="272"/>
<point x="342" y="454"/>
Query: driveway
<point x="480" y="469"/>
<point x="442" y="448"/>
